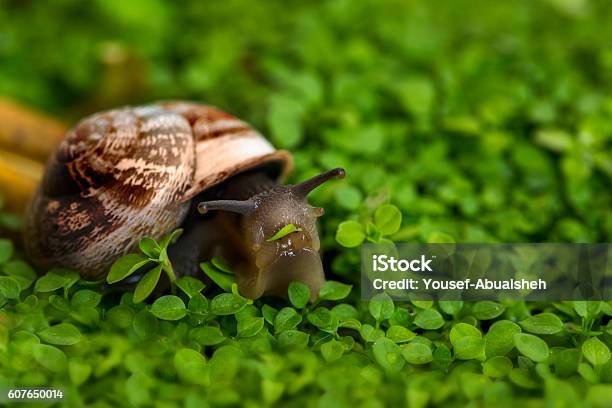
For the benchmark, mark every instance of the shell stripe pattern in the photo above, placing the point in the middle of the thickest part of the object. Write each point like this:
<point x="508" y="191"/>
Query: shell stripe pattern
<point x="128" y="173"/>
<point x="225" y="145"/>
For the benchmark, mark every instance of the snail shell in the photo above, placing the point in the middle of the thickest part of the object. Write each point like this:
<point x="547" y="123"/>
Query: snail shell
<point x="127" y="173"/>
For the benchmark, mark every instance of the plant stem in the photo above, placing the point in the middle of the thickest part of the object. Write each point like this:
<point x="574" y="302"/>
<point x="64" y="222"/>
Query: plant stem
<point x="170" y="272"/>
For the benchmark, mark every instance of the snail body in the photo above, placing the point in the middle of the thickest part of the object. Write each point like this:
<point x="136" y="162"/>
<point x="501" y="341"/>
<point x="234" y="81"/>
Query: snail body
<point x="124" y="174"/>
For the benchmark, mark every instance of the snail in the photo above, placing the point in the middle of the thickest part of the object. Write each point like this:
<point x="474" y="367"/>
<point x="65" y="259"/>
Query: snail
<point x="132" y="172"/>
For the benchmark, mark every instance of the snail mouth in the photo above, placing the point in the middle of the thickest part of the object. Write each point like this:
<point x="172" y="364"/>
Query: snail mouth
<point x="291" y="258"/>
<point x="287" y="247"/>
<point x="301" y="265"/>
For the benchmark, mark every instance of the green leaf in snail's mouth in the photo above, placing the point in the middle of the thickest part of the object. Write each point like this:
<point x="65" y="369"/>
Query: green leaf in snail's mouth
<point x="286" y="230"/>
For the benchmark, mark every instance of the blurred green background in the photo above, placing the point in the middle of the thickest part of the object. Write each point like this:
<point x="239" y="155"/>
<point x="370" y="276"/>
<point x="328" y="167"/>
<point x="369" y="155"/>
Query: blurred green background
<point x="482" y="121"/>
<point x="498" y="113"/>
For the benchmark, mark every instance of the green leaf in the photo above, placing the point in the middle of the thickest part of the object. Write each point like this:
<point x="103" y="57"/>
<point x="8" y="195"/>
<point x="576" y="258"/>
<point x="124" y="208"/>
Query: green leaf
<point x="321" y="317"/>
<point x="370" y="334"/>
<point x="500" y="338"/>
<point x="461" y="330"/>
<point x="586" y="308"/>
<point x="531" y="346"/>
<point x="55" y="279"/>
<point x="249" y="327"/>
<point x="496" y="367"/>
<point x="473" y="385"/>
<point x="190" y="365"/>
<point x="350" y="323"/>
<point x="207" y="335"/>
<point x="429" y="319"/>
<point x="293" y="339"/>
<point x="423" y="304"/>
<point x="169" y="307"/>
<point x="417" y="353"/>
<point x="190" y="285"/>
<point x="269" y="313"/>
<point x="350" y="234"/>
<point x="126" y="266"/>
<point x="6" y="250"/>
<point x="286" y="319"/>
<point x="79" y="371"/>
<point x="470" y="348"/>
<point x="222" y="279"/>
<point x="85" y="298"/>
<point x="198" y="305"/>
<point x="388" y="219"/>
<point x="451" y="307"/>
<point x="63" y="334"/>
<point x="345" y="311"/>
<point x="285" y="120"/>
<point x="381" y="307"/>
<point x="388" y="355"/>
<point x="59" y="303"/>
<point x="595" y="351"/>
<point x="50" y="357"/>
<point x="400" y="334"/>
<point x="487" y="310"/>
<point x="417" y="95"/>
<point x="227" y="304"/>
<point x="566" y="362"/>
<point x="150" y="247"/>
<point x="21" y="272"/>
<point x="442" y="357"/>
<point x="299" y="294"/>
<point x="332" y="350"/>
<point x="543" y="323"/>
<point x="283" y="232"/>
<point x="333" y="290"/>
<point x="120" y="316"/>
<point x="9" y="287"/>
<point x="348" y="197"/>
<point x="170" y="239"/>
<point x="587" y="372"/>
<point x="147" y="284"/>
<point x="221" y="265"/>
<point x="524" y="378"/>
<point x="145" y="324"/>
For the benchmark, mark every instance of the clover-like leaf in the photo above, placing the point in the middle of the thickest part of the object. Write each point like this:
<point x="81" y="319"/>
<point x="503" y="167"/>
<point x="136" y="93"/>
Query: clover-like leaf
<point x="170" y="239"/>
<point x="190" y="285"/>
<point x="333" y="290"/>
<point x="63" y="334"/>
<point x="150" y="247"/>
<point x="531" y="346"/>
<point x="299" y="294"/>
<point x="543" y="323"/>
<point x="169" y="307"/>
<point x="596" y="351"/>
<point x="222" y="279"/>
<point x="126" y="266"/>
<point x="147" y="284"/>
<point x="388" y="219"/>
<point x="283" y="232"/>
<point x="350" y="234"/>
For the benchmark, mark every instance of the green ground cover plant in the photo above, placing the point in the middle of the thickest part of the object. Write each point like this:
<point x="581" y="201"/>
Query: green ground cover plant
<point x="456" y="121"/>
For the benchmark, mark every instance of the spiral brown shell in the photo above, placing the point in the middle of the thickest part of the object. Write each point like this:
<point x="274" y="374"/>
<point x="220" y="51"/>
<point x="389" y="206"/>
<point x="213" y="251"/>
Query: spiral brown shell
<point x="124" y="174"/>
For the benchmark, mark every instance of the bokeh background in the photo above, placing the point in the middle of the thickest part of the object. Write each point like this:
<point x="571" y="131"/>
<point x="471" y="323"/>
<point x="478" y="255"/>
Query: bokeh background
<point x="482" y="121"/>
<point x="493" y="119"/>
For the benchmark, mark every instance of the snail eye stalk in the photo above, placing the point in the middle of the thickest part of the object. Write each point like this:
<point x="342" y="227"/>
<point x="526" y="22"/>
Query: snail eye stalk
<point x="236" y="206"/>
<point x="305" y="187"/>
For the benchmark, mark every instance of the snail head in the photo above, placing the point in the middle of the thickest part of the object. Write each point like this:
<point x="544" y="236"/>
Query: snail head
<point x="280" y="234"/>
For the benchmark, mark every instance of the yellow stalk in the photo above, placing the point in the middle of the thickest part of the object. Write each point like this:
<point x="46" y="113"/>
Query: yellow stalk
<point x="19" y="177"/>
<point x="27" y="132"/>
